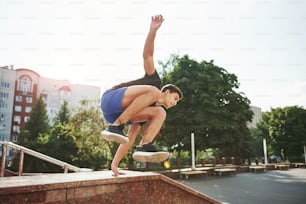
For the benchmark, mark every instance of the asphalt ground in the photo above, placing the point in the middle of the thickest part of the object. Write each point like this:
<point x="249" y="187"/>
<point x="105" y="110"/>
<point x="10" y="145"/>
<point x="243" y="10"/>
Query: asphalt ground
<point x="273" y="187"/>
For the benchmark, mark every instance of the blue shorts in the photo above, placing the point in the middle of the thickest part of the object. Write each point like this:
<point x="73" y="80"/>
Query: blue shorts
<point x="111" y="104"/>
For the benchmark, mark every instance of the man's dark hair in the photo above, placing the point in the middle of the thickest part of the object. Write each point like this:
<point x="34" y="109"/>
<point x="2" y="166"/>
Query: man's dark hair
<point x="173" y="89"/>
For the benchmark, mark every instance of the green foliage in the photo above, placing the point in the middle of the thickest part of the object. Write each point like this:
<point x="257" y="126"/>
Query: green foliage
<point x="87" y="124"/>
<point x="35" y="135"/>
<point x="62" y="143"/>
<point x="285" y="130"/>
<point x="211" y="108"/>
<point x="206" y="155"/>
<point x="37" y="124"/>
<point x="63" y="115"/>
<point x="74" y="139"/>
<point x="180" y="158"/>
<point x="257" y="146"/>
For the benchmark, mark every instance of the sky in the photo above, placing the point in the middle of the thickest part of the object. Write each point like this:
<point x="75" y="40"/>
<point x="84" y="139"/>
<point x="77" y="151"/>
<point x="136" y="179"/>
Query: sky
<point x="100" y="42"/>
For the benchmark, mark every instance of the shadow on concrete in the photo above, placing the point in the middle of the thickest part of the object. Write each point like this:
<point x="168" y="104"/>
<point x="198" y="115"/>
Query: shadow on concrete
<point x="281" y="187"/>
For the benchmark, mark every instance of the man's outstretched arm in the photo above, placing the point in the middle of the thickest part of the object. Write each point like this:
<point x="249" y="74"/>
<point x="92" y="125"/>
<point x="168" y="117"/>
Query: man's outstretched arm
<point x="148" y="50"/>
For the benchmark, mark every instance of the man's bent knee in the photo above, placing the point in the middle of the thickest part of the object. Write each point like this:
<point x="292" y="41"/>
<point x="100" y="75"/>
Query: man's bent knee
<point x="160" y="113"/>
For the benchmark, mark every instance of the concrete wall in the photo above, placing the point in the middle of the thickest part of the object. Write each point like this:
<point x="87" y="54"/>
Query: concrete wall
<point x="99" y="187"/>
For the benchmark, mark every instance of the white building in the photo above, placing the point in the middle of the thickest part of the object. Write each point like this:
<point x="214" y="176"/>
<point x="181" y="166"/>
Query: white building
<point x="256" y="117"/>
<point x="20" y="89"/>
<point x="7" y="86"/>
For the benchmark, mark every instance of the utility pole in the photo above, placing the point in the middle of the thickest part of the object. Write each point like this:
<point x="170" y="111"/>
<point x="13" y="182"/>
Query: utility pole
<point x="192" y="152"/>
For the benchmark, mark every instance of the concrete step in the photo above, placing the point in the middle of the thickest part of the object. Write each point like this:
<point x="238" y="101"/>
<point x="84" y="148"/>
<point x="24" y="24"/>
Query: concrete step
<point x="98" y="187"/>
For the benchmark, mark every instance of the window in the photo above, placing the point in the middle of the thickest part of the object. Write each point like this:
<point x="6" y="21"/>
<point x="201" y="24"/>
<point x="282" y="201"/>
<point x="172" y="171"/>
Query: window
<point x="18" y="108"/>
<point x="5" y="85"/>
<point x="14" y="138"/>
<point x="64" y="93"/>
<point x="28" y="109"/>
<point x="3" y="105"/>
<point x="16" y="128"/>
<point x="2" y="125"/>
<point x="3" y="95"/>
<point x="19" y="98"/>
<point x="2" y="117"/>
<point x="26" y="118"/>
<point x="44" y="98"/>
<point x="25" y="84"/>
<point x="29" y="99"/>
<point x="17" y="119"/>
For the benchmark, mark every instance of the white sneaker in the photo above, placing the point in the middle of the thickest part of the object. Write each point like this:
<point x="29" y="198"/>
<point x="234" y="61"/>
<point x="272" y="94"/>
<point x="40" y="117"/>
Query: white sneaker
<point x="114" y="134"/>
<point x="149" y="153"/>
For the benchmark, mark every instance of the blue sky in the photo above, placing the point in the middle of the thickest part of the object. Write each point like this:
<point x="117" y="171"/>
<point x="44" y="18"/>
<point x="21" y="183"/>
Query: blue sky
<point x="100" y="42"/>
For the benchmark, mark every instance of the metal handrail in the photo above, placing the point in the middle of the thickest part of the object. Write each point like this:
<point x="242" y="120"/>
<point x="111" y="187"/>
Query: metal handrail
<point x="36" y="154"/>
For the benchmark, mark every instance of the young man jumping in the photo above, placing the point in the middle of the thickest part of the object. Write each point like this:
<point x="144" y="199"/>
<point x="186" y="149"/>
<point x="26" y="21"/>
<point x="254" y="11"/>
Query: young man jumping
<point x="138" y="101"/>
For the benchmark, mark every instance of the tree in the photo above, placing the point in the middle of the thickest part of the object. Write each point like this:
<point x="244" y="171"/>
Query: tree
<point x="37" y="124"/>
<point x="285" y="130"/>
<point x="35" y="134"/>
<point x="87" y="124"/>
<point x="61" y="143"/>
<point x="211" y="108"/>
<point x="62" y="117"/>
<point x="74" y="139"/>
<point x="295" y="127"/>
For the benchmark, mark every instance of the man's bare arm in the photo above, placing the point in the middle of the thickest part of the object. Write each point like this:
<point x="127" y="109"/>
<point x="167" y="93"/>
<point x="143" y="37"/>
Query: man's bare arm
<point x="148" y="50"/>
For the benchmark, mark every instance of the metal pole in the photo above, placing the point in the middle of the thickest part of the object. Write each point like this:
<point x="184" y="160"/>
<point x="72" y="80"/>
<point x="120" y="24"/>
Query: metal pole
<point x="192" y="152"/>
<point x="21" y="159"/>
<point x="305" y="152"/>
<point x="265" y="151"/>
<point x="3" y="160"/>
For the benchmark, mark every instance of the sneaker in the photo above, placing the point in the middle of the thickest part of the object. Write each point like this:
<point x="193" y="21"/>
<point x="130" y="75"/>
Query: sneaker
<point x="115" y="134"/>
<point x="148" y="148"/>
<point x="150" y="153"/>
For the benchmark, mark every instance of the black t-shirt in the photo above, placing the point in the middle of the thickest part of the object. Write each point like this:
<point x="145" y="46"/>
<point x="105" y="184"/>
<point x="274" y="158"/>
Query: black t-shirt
<point x="153" y="80"/>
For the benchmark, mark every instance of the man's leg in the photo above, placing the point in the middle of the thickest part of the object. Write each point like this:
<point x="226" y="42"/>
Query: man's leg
<point x="134" y="100"/>
<point x="155" y="117"/>
<point x="124" y="148"/>
<point x="147" y="152"/>
<point x="111" y="106"/>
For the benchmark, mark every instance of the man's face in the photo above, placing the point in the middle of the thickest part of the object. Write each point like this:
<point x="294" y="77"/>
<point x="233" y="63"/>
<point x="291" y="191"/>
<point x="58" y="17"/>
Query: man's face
<point x="171" y="99"/>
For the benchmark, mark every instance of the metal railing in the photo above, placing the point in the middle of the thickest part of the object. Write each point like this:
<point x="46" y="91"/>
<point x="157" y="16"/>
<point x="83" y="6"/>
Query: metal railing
<point x="24" y="150"/>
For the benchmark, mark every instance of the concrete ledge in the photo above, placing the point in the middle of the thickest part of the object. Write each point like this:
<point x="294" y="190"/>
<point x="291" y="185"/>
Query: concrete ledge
<point x="257" y="169"/>
<point x="98" y="187"/>
<point x="242" y="169"/>
<point x="282" y="166"/>
<point x="221" y="172"/>
<point x="190" y="173"/>
<point x="270" y="167"/>
<point x="298" y="165"/>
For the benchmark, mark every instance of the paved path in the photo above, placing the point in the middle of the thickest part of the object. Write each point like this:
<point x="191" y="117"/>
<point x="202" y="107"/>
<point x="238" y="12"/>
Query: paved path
<point x="273" y="187"/>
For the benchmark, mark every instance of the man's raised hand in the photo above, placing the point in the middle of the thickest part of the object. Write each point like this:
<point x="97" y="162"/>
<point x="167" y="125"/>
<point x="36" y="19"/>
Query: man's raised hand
<point x="156" y="21"/>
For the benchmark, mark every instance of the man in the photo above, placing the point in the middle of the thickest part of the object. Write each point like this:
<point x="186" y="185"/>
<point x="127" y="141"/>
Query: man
<point x="136" y="102"/>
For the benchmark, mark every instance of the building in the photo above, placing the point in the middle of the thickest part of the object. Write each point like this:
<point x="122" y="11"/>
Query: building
<point x="7" y="87"/>
<point x="256" y="117"/>
<point x="19" y="91"/>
